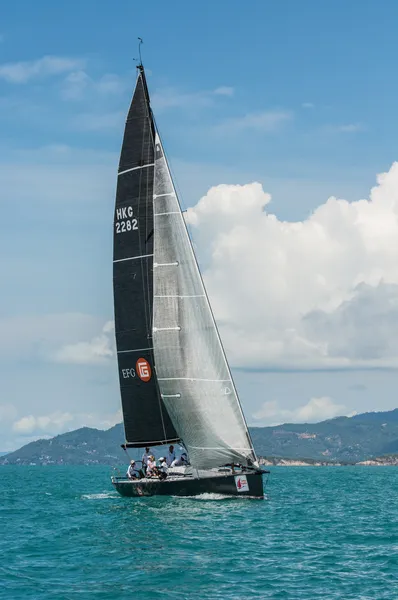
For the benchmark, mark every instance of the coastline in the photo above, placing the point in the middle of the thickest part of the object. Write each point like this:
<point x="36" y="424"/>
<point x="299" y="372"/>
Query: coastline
<point x="380" y="461"/>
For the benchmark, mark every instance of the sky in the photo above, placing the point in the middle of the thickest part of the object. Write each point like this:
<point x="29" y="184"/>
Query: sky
<point x="279" y="121"/>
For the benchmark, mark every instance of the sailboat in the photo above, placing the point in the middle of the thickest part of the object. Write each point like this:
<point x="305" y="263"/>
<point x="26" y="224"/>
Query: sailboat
<point x="175" y="382"/>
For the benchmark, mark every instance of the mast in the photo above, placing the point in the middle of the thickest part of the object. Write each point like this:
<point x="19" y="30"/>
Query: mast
<point x="146" y="420"/>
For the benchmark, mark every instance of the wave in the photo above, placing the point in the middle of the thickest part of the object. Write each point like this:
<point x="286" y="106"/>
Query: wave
<point x="102" y="496"/>
<point x="213" y="496"/>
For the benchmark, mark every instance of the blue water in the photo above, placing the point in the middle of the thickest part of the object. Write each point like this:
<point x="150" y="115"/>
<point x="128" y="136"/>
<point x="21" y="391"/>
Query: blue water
<point x="322" y="533"/>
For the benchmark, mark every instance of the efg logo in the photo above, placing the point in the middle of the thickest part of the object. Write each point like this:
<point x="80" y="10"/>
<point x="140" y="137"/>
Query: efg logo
<point x="127" y="373"/>
<point x="143" y="369"/>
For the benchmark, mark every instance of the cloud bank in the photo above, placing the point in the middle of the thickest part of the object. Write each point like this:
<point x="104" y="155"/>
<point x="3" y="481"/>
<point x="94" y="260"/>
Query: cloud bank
<point x="318" y="293"/>
<point x="170" y="98"/>
<point x="96" y="351"/>
<point x="316" y="409"/>
<point x="59" y="422"/>
<point x="24" y="71"/>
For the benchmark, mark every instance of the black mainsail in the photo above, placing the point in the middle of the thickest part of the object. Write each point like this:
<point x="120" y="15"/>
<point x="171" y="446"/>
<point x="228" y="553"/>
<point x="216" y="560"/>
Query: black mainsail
<point x="146" y="420"/>
<point x="174" y="376"/>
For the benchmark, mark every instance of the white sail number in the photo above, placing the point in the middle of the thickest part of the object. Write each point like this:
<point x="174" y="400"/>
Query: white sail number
<point x="124" y="220"/>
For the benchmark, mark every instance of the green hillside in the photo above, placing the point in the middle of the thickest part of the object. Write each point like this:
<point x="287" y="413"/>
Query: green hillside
<point x="80" y="447"/>
<point x="343" y="439"/>
<point x="349" y="439"/>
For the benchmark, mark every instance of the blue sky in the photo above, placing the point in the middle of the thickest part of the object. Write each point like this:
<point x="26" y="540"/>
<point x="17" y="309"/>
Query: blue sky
<point x="300" y="97"/>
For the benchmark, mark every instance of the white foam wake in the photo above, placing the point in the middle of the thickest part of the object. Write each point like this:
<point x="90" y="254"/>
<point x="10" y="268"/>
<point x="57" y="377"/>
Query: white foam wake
<point x="102" y="496"/>
<point x="213" y="496"/>
<point x="209" y="496"/>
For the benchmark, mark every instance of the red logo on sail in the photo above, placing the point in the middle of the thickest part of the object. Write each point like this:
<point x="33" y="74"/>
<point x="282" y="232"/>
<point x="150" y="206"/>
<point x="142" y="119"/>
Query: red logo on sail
<point x="143" y="369"/>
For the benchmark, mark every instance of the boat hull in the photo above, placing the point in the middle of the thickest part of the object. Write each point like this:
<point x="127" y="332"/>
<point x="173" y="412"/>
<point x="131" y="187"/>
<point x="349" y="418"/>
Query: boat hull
<point x="249" y="485"/>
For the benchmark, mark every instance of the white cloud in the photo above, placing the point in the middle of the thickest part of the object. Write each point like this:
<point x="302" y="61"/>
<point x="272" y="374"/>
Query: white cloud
<point x="318" y="293"/>
<point x="21" y="72"/>
<point x="75" y="84"/>
<point x="99" y="121"/>
<point x="113" y="84"/>
<point x="345" y="128"/>
<point x="8" y="412"/>
<point x="224" y="91"/>
<point x="54" y="422"/>
<point x="97" y="351"/>
<point x="168" y="98"/>
<point x="78" y="85"/>
<point x="59" y="422"/>
<point x="265" y="122"/>
<point x="316" y="409"/>
<point x="40" y="337"/>
<point x="350" y="128"/>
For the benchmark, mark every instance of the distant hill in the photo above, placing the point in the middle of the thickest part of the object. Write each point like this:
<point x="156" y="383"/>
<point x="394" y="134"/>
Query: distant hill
<point x="83" y="446"/>
<point x="346" y="439"/>
<point x="343" y="439"/>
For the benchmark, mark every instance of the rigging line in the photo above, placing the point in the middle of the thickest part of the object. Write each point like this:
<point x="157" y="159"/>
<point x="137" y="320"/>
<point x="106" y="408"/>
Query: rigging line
<point x="146" y="189"/>
<point x="149" y="208"/>
<point x="142" y="247"/>
<point x="142" y="187"/>
<point x="149" y="226"/>
<point x="125" y="449"/>
<point x="160" y="399"/>
<point x="161" y="412"/>
<point x="150" y="223"/>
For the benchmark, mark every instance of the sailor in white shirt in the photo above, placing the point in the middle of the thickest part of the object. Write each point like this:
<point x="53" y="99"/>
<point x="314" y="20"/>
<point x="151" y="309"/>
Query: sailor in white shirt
<point x="145" y="457"/>
<point x="162" y="465"/>
<point x="133" y="471"/>
<point x="180" y="462"/>
<point x="151" y="466"/>
<point x="171" y="455"/>
<point x="162" y="468"/>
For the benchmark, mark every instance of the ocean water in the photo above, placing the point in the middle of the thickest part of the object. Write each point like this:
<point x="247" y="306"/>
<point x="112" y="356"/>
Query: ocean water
<point x="322" y="532"/>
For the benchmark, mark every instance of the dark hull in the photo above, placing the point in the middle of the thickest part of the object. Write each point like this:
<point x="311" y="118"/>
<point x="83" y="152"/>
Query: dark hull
<point x="229" y="485"/>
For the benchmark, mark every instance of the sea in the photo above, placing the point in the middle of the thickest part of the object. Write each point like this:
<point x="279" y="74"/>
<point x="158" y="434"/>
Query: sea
<point x="321" y="532"/>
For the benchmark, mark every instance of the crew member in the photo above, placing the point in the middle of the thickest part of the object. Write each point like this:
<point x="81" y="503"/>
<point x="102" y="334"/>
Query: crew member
<point x="170" y="456"/>
<point x="145" y="457"/>
<point x="133" y="471"/>
<point x="180" y="462"/>
<point x="151" y="469"/>
<point x="162" y="468"/>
